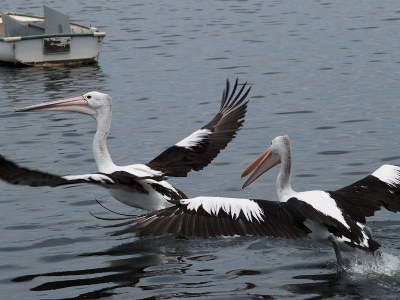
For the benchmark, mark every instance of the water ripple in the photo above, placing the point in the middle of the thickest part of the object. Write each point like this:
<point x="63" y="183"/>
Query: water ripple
<point x="295" y="112"/>
<point x="333" y="152"/>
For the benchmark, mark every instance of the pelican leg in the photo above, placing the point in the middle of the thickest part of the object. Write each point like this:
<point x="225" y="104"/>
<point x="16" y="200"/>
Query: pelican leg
<point x="368" y="232"/>
<point x="342" y="262"/>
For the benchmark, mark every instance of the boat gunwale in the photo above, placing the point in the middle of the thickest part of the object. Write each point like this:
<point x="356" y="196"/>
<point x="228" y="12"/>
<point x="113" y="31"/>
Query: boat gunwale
<point x="92" y="32"/>
<point x="41" y="36"/>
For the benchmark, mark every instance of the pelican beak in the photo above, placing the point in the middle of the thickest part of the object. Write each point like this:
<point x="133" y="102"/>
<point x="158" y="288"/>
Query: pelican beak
<point x="261" y="165"/>
<point x="77" y="104"/>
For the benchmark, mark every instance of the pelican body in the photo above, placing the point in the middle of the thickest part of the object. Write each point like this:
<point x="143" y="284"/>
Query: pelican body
<point x="143" y="186"/>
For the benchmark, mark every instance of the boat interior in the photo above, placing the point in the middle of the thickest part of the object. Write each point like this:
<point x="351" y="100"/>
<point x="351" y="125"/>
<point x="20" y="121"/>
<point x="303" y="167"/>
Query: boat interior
<point x="53" y="22"/>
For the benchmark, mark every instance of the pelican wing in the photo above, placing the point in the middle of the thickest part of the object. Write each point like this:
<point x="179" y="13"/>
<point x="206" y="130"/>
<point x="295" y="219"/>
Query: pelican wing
<point x="198" y="149"/>
<point x="363" y="198"/>
<point x="214" y="216"/>
<point x="12" y="173"/>
<point x="211" y="217"/>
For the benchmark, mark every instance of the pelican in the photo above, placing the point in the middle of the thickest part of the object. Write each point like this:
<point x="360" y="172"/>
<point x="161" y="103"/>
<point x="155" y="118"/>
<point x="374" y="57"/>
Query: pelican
<point x="139" y="185"/>
<point x="345" y="210"/>
<point x="335" y="218"/>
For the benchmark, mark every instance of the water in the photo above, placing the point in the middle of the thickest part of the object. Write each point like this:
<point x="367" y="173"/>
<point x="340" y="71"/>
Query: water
<point x="326" y="73"/>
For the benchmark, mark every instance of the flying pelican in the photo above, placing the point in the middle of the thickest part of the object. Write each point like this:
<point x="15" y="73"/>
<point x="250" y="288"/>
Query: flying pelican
<point x="139" y="185"/>
<point x="337" y="218"/>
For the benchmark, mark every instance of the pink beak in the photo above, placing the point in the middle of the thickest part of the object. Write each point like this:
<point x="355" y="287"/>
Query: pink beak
<point x="261" y="165"/>
<point x="76" y="104"/>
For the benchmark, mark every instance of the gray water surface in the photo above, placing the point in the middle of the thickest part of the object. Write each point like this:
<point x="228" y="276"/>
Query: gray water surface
<point x="325" y="73"/>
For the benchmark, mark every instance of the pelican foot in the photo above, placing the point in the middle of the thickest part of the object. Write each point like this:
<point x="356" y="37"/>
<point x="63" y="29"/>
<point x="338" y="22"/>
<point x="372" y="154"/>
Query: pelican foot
<point x="378" y="253"/>
<point x="344" y="264"/>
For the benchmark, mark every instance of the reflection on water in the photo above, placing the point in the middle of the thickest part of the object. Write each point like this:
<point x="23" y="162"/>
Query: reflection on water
<point x="125" y="271"/>
<point x="325" y="73"/>
<point x="320" y="285"/>
<point x="49" y="83"/>
<point x="186" y="268"/>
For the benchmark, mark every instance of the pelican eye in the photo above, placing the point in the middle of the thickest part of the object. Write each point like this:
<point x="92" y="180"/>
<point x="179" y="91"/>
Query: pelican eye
<point x="88" y="97"/>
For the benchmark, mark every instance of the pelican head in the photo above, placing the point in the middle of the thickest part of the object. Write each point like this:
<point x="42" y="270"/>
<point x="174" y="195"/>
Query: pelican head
<point x="280" y="148"/>
<point x="91" y="104"/>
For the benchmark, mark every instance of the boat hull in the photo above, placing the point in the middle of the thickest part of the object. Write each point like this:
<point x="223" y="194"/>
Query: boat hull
<point x="32" y="51"/>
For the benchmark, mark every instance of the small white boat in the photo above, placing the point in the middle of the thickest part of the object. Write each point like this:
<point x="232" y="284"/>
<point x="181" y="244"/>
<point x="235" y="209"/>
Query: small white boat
<point x="47" y="41"/>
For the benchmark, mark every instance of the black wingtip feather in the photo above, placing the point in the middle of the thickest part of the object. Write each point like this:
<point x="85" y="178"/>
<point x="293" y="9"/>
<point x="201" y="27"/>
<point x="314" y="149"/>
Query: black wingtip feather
<point x="234" y="89"/>
<point x="178" y="161"/>
<point x="228" y="104"/>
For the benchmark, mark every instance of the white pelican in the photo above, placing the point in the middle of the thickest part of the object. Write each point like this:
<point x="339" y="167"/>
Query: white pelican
<point x="336" y="218"/>
<point x="344" y="211"/>
<point x="139" y="185"/>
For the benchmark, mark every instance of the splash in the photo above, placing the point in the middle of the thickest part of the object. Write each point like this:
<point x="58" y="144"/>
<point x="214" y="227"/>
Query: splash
<point x="379" y="264"/>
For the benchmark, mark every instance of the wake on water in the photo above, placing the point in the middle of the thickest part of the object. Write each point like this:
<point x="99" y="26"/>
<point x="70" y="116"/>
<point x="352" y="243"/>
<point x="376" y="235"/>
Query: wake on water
<point x="374" y="265"/>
